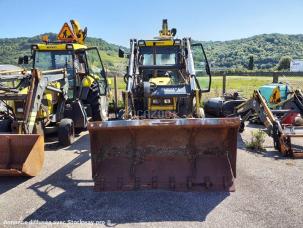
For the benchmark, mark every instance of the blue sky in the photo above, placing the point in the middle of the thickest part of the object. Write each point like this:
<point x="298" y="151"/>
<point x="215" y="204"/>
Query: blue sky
<point x="118" y="21"/>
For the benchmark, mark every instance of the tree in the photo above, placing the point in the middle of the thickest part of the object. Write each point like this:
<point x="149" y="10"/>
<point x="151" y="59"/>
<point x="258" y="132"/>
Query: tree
<point x="251" y="63"/>
<point x="284" y="63"/>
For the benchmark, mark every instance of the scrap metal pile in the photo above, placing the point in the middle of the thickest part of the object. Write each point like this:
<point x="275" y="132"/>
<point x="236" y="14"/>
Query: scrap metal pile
<point x="283" y="118"/>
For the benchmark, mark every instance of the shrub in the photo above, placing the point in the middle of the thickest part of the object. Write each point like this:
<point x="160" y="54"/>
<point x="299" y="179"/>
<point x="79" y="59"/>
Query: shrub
<point x="256" y="142"/>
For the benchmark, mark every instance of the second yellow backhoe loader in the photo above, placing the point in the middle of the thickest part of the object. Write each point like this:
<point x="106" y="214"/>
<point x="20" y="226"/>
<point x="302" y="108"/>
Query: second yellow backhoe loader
<point x="29" y="103"/>
<point x="163" y="140"/>
<point x="65" y="89"/>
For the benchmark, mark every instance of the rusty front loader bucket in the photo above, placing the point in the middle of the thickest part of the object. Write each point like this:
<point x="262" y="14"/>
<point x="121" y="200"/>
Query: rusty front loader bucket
<point x="179" y="155"/>
<point x="21" y="155"/>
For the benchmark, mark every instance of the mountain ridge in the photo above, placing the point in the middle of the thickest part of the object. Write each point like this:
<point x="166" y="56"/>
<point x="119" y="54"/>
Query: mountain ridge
<point x="267" y="50"/>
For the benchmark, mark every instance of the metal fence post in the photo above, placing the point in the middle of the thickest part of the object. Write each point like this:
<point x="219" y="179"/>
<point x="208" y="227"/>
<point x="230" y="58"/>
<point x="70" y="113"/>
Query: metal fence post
<point x="224" y="84"/>
<point x="116" y="95"/>
<point x="275" y="77"/>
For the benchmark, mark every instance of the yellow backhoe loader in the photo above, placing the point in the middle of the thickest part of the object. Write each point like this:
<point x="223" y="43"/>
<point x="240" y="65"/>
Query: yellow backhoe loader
<point x="163" y="140"/>
<point x="29" y="103"/>
<point x="65" y="89"/>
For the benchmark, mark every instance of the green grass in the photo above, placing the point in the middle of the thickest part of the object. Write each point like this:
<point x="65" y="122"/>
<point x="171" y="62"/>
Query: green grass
<point x="245" y="85"/>
<point x="120" y="83"/>
<point x="113" y="62"/>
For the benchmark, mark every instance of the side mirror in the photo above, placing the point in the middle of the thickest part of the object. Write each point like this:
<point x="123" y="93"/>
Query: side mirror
<point x="121" y="53"/>
<point x="20" y="60"/>
<point x="25" y="59"/>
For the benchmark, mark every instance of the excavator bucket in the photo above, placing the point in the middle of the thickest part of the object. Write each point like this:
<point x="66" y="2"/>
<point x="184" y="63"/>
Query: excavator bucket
<point x="21" y="155"/>
<point x="172" y="154"/>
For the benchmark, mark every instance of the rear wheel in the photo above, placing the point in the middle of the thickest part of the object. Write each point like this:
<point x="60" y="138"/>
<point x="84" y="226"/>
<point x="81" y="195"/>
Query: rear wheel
<point x="66" y="132"/>
<point x="242" y="127"/>
<point x="98" y="103"/>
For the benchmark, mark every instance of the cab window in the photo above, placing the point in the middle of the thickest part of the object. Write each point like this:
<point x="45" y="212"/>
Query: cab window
<point x="201" y="67"/>
<point x="51" y="60"/>
<point x="95" y="68"/>
<point x="160" y="56"/>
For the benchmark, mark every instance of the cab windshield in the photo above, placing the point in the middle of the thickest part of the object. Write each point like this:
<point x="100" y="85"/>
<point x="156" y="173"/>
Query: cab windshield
<point x="159" y="56"/>
<point x="51" y="60"/>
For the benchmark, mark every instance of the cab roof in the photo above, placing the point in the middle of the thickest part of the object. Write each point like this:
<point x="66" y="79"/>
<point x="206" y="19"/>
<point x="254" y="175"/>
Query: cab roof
<point x="160" y="42"/>
<point x="58" y="46"/>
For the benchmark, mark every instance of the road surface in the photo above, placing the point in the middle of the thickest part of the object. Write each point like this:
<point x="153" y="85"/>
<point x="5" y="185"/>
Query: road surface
<point x="269" y="193"/>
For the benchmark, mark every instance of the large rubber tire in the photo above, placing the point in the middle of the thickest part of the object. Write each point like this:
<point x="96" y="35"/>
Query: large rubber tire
<point x="66" y="132"/>
<point x="94" y="99"/>
<point x="242" y="127"/>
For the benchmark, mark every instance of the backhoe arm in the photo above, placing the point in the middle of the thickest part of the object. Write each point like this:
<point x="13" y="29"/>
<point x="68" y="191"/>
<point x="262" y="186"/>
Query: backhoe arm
<point x="81" y="34"/>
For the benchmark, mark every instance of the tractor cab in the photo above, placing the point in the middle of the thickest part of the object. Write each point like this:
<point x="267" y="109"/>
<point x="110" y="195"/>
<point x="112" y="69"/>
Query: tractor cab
<point x="167" y="76"/>
<point x="160" y="61"/>
<point x="83" y="65"/>
<point x="87" y="83"/>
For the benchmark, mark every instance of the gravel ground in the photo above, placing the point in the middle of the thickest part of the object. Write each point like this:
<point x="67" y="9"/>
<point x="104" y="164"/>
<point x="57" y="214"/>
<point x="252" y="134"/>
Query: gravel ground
<point x="269" y="193"/>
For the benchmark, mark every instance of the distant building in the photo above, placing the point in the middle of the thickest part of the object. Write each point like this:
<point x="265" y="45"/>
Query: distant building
<point x="296" y="65"/>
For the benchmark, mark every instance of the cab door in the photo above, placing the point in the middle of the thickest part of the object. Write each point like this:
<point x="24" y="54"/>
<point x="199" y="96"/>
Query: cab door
<point x="96" y="69"/>
<point x="202" y="69"/>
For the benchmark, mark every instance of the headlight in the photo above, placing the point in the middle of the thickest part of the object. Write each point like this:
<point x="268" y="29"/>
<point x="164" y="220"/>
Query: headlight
<point x="168" y="101"/>
<point x="156" y="101"/>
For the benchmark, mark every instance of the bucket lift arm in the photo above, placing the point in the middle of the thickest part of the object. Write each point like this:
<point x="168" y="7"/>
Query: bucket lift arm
<point x="39" y="82"/>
